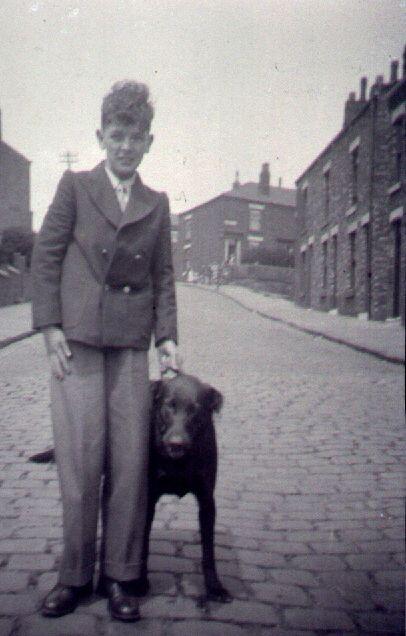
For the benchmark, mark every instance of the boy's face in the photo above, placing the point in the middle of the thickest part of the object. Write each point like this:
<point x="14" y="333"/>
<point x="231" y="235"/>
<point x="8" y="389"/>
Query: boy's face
<point x="125" y="146"/>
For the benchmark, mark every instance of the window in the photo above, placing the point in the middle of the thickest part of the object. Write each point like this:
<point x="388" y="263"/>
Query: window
<point x="174" y="234"/>
<point x="326" y="193"/>
<point x="255" y="221"/>
<point x="400" y="141"/>
<point x="352" y="238"/>
<point x="188" y="229"/>
<point x="354" y="174"/>
<point x="324" y="261"/>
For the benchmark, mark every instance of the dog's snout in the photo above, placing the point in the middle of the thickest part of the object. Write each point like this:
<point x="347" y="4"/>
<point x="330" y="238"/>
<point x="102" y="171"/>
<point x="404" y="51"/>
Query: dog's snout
<point x="176" y="441"/>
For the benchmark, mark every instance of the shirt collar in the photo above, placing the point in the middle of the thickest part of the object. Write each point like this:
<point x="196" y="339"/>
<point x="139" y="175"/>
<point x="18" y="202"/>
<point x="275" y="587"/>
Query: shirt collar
<point x="115" y="181"/>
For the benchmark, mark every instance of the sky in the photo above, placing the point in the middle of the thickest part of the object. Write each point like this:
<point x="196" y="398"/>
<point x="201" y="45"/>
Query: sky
<point x="235" y="83"/>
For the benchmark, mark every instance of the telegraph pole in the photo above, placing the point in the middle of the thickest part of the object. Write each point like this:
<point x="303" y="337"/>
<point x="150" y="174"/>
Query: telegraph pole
<point x="69" y="158"/>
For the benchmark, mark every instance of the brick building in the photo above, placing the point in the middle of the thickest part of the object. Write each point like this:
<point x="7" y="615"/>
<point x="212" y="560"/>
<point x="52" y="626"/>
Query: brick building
<point x="14" y="188"/>
<point x="350" y="254"/>
<point x="224" y="228"/>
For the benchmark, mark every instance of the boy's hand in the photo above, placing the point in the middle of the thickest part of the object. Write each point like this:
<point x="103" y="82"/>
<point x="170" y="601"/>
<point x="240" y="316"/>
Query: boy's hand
<point x="168" y="356"/>
<point x="58" y="351"/>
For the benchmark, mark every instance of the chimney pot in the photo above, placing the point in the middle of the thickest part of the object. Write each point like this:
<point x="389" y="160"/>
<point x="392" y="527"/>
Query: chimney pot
<point x="264" y="180"/>
<point x="394" y="71"/>
<point x="351" y="97"/>
<point x="236" y="183"/>
<point x="379" y="80"/>
<point x="363" y="90"/>
<point x="280" y="182"/>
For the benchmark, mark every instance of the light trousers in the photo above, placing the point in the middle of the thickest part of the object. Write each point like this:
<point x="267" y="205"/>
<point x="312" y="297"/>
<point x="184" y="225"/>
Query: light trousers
<point x="100" y="416"/>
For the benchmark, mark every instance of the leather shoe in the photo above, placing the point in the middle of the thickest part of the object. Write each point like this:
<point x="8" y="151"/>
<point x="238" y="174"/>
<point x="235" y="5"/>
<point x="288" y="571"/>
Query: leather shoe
<point x="122" y="604"/>
<point x="63" y="599"/>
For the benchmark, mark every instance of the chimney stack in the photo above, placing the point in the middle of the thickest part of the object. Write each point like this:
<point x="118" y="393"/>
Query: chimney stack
<point x="394" y="71"/>
<point x="363" y="90"/>
<point x="352" y="106"/>
<point x="264" y="180"/>
<point x="404" y="63"/>
<point x="236" y="183"/>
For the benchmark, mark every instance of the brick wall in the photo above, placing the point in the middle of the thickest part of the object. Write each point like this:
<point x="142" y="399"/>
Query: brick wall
<point x="364" y="236"/>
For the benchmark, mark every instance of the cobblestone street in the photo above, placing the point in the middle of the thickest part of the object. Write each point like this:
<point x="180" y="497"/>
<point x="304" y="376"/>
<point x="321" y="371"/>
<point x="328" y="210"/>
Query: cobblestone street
<point x="310" y="533"/>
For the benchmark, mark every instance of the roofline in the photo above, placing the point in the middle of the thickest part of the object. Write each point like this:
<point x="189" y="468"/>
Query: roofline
<point x="15" y="151"/>
<point x="391" y="91"/>
<point x="285" y="205"/>
<point x="200" y="205"/>
<point x="229" y="195"/>
<point x="331" y="143"/>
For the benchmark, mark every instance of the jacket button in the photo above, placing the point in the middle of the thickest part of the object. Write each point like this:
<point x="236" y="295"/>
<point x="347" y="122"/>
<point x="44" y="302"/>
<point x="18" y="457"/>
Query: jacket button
<point x="127" y="289"/>
<point x="104" y="252"/>
<point x="137" y="257"/>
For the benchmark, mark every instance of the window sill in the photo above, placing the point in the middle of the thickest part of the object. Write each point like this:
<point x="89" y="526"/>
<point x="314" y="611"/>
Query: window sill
<point x="394" y="188"/>
<point x="350" y="293"/>
<point x="351" y="210"/>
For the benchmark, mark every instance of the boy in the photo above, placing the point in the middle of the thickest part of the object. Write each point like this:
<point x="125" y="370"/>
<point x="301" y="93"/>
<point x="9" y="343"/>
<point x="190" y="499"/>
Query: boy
<point x="102" y="283"/>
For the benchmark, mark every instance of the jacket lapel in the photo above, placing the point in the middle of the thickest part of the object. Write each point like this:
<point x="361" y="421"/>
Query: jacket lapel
<point x="103" y="195"/>
<point x="140" y="204"/>
<point x="142" y="201"/>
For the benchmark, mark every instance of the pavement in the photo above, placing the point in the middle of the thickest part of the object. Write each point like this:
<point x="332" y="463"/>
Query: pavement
<point x="385" y="340"/>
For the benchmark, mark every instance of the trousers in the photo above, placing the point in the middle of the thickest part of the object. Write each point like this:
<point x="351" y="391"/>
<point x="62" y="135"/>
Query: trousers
<point x="100" y="417"/>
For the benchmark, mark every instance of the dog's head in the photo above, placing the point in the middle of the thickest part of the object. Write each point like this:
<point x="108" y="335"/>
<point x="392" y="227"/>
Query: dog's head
<point x="182" y="406"/>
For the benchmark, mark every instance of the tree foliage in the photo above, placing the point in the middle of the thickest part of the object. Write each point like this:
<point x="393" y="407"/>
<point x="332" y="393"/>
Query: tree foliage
<point x="16" y="240"/>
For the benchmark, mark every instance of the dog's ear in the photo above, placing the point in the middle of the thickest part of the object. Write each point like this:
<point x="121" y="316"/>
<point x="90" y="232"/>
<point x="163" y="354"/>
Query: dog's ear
<point x="213" y="400"/>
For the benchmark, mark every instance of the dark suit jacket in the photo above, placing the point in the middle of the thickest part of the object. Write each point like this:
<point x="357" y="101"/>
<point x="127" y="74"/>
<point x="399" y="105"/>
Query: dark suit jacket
<point x="105" y="276"/>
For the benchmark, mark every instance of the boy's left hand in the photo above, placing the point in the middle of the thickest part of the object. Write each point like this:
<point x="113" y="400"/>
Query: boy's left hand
<point x="168" y="356"/>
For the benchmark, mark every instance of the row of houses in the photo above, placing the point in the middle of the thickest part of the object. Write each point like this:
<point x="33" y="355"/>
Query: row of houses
<point x="344" y="221"/>
<point x="14" y="188"/>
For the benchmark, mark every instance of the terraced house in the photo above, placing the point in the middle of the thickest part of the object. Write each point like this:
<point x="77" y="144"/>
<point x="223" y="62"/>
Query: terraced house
<point x="225" y="228"/>
<point x="350" y="255"/>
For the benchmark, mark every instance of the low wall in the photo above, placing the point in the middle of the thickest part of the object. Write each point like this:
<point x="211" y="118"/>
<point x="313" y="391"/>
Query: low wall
<point x="15" y="286"/>
<point x="270" y="278"/>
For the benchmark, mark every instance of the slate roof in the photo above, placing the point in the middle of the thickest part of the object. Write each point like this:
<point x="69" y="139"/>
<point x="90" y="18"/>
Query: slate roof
<point x="249" y="192"/>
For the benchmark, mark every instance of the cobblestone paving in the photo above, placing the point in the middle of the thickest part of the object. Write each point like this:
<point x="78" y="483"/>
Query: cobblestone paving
<point x="310" y="490"/>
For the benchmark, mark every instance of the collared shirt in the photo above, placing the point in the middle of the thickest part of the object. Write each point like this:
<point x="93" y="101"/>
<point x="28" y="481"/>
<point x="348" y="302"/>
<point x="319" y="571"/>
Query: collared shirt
<point x="122" y="188"/>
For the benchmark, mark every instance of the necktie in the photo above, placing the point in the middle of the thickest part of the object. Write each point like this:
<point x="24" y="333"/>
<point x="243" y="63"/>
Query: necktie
<point x="123" y="194"/>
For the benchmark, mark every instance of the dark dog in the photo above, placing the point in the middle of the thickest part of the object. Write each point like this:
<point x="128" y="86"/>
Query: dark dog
<point x="183" y="459"/>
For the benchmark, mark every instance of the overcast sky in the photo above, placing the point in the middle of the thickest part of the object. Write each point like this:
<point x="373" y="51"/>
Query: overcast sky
<point x="235" y="82"/>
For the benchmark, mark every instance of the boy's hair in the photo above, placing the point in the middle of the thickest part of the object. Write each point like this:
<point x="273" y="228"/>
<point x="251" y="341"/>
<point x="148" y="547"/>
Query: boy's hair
<point x="127" y="103"/>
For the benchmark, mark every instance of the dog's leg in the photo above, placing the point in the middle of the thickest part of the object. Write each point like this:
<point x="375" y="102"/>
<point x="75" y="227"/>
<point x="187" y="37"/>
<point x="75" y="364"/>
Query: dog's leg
<point x="207" y="514"/>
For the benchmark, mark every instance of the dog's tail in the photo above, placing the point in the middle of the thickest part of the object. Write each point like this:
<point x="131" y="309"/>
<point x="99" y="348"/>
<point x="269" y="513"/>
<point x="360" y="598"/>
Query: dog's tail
<point x="46" y="457"/>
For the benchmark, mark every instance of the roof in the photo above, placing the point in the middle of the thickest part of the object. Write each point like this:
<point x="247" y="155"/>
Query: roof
<point x="249" y="192"/>
<point x="13" y="150"/>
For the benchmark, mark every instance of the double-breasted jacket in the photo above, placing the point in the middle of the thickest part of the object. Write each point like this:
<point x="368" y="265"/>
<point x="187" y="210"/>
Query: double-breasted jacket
<point x="106" y="277"/>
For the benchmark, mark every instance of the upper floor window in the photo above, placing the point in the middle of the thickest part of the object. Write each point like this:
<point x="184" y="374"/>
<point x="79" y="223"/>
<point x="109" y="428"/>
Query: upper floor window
<point x="400" y="143"/>
<point x="255" y="220"/>
<point x="352" y="238"/>
<point x="188" y="229"/>
<point x="326" y="192"/>
<point x="354" y="174"/>
<point x="174" y="234"/>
